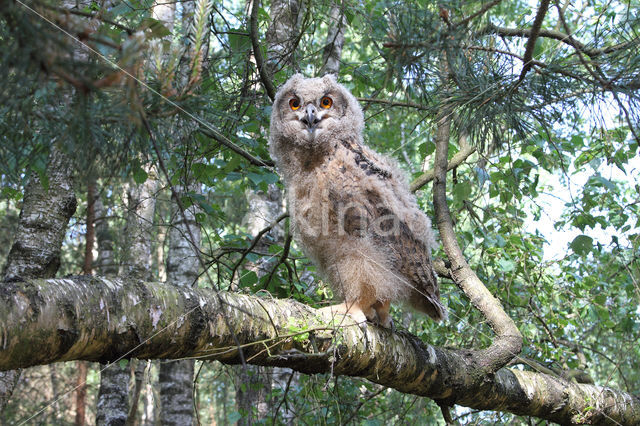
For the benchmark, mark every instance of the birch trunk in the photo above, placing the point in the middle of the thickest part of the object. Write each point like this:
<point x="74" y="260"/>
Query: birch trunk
<point x="176" y="377"/>
<point x="335" y="40"/>
<point x="113" y="397"/>
<point x="112" y="401"/>
<point x="139" y="233"/>
<point x="35" y="252"/>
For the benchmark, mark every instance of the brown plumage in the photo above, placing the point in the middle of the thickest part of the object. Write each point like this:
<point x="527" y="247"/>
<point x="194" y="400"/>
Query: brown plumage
<point x="351" y="209"/>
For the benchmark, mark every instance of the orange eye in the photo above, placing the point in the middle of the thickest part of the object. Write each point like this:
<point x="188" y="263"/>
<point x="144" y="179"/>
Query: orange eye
<point x="294" y="103"/>
<point x="326" y="102"/>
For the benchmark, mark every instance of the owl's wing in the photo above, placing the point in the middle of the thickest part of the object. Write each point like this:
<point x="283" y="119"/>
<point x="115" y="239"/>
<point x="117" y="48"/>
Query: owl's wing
<point x="409" y="255"/>
<point x="411" y="259"/>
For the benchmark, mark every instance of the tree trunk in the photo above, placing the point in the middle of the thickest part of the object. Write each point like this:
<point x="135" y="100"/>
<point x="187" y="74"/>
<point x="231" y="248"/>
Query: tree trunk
<point x="137" y="264"/>
<point x="112" y="401"/>
<point x="87" y="269"/>
<point x="35" y="252"/>
<point x="176" y="377"/>
<point x="335" y="40"/>
<point x="113" y="404"/>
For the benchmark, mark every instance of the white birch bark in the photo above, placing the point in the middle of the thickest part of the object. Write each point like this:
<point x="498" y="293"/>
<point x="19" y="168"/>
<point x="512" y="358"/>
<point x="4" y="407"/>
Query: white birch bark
<point x="112" y="404"/>
<point x="113" y="396"/>
<point x="335" y="40"/>
<point x="35" y="252"/>
<point x="67" y="320"/>
<point x="176" y="377"/>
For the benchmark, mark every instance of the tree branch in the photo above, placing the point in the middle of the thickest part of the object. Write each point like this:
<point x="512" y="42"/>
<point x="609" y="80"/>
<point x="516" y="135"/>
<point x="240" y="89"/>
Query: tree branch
<point x="480" y="12"/>
<point x="394" y="103"/>
<point x="556" y="35"/>
<point x="457" y="159"/>
<point x="99" y="319"/>
<point x="208" y="131"/>
<point x="531" y="43"/>
<point x="508" y="341"/>
<point x="257" y="53"/>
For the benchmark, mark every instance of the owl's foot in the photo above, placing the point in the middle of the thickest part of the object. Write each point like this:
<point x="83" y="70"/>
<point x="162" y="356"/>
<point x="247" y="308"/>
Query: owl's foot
<point x="352" y="309"/>
<point x="382" y="313"/>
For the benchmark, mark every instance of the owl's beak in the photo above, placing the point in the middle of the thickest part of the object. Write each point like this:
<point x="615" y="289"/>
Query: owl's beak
<point x="310" y="117"/>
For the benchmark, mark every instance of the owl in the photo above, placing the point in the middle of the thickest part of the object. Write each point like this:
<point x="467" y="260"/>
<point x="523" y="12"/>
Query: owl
<point x="350" y="208"/>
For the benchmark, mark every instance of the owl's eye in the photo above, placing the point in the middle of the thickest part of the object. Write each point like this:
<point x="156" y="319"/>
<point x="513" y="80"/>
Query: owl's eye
<point x="294" y="103"/>
<point x="326" y="102"/>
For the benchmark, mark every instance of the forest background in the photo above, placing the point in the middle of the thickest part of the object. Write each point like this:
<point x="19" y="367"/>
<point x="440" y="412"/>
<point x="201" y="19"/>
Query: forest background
<point x="133" y="146"/>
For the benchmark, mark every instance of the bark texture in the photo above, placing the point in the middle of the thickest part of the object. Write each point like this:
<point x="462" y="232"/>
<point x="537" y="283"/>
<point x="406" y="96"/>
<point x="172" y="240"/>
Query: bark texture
<point x="283" y="33"/>
<point x="99" y="319"/>
<point x="35" y="252"/>
<point x="45" y="214"/>
<point x="176" y="377"/>
<point x="137" y="262"/>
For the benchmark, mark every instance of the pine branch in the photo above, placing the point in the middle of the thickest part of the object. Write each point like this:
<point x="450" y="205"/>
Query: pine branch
<point x="531" y="43"/>
<point x="556" y="35"/>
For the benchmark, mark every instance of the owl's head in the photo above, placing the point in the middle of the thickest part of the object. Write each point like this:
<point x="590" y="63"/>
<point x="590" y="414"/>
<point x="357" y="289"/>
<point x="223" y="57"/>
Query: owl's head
<point x="314" y="111"/>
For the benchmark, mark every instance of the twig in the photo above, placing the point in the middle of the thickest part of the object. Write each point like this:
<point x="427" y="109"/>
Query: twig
<point x="531" y="43"/>
<point x="257" y="53"/>
<point x="282" y="259"/>
<point x="446" y="413"/>
<point x="255" y="241"/>
<point x="212" y="133"/>
<point x="556" y="35"/>
<point x="599" y="76"/>
<point x="481" y="11"/>
<point x="458" y="158"/>
<point x="87" y="15"/>
<point x="394" y="103"/>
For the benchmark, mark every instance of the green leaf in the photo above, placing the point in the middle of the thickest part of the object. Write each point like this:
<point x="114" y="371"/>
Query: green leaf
<point x="582" y="244"/>
<point x="507" y="265"/>
<point x="255" y="177"/>
<point x="11" y="193"/>
<point x="248" y="279"/>
<point x="604" y="182"/>
<point x="270" y="177"/>
<point x="139" y="175"/>
<point x="461" y="191"/>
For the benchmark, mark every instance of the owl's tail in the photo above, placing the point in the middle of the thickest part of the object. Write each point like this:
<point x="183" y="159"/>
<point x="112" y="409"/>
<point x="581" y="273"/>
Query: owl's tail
<point x="427" y="299"/>
<point x="434" y="308"/>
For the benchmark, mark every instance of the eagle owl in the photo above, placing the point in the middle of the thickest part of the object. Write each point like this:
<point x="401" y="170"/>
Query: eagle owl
<point x="351" y="209"/>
